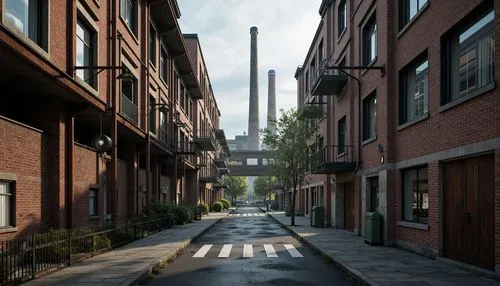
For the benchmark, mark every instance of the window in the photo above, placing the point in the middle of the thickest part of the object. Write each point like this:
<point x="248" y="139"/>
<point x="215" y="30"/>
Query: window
<point x="408" y="9"/>
<point x="85" y="48"/>
<point x="152" y="114"/>
<point x="30" y="18"/>
<point x="163" y="65"/>
<point x="152" y="44"/>
<point x="92" y="202"/>
<point x="370" y="117"/>
<point x="414" y="92"/>
<point x="470" y="58"/>
<point x="127" y="12"/>
<point x="6" y="204"/>
<point x="163" y="126"/>
<point x="342" y="17"/>
<point x="415" y="195"/>
<point x="129" y="98"/>
<point x="320" y="53"/>
<point x="313" y="72"/>
<point x="306" y="79"/>
<point x="342" y="135"/>
<point x="370" y="40"/>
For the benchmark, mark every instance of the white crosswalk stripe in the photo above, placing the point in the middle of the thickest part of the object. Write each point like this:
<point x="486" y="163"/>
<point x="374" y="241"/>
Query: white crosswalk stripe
<point x="203" y="251"/>
<point x="249" y="214"/>
<point x="247" y="250"/>
<point x="225" y="251"/>
<point x="292" y="250"/>
<point x="270" y="252"/>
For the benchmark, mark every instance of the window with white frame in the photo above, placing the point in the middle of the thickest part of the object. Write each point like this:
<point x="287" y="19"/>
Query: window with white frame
<point x="414" y="94"/>
<point x="6" y="204"/>
<point x="29" y="17"/>
<point x="470" y="55"/>
<point x="93" y="202"/>
<point x="85" y="51"/>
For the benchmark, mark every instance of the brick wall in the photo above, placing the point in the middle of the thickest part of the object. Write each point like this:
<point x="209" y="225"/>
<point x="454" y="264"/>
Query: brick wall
<point x="25" y="153"/>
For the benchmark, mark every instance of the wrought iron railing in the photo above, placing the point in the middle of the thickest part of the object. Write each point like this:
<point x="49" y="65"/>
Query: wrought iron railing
<point x="205" y="134"/>
<point x="164" y="135"/>
<point x="333" y="154"/>
<point x="128" y="109"/>
<point x="23" y="258"/>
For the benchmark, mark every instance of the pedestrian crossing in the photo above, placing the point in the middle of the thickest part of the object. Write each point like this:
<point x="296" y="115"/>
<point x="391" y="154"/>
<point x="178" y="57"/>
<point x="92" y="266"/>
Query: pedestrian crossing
<point x="248" y="251"/>
<point x="248" y="214"/>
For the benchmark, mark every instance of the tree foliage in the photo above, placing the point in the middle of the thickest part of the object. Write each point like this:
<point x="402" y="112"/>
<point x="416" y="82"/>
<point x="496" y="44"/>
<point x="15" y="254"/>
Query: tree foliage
<point x="290" y="150"/>
<point x="237" y="186"/>
<point x="262" y="186"/>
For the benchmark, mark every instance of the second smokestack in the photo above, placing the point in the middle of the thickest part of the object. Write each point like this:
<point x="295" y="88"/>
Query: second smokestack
<point x="271" y="100"/>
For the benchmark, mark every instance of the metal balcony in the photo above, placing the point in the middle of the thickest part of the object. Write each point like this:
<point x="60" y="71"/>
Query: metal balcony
<point x="311" y="111"/>
<point x="327" y="81"/>
<point x="205" y="139"/>
<point x="333" y="159"/>
<point x="221" y="161"/>
<point x="187" y="148"/>
<point x="210" y="174"/>
<point x="128" y="109"/>
<point x="163" y="135"/>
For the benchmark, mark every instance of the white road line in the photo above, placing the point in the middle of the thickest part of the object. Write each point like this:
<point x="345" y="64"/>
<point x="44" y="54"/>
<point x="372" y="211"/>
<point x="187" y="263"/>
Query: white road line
<point x="237" y="214"/>
<point x="270" y="250"/>
<point x="293" y="251"/>
<point x="262" y="214"/>
<point x="203" y="251"/>
<point x="247" y="250"/>
<point x="245" y="215"/>
<point x="225" y="251"/>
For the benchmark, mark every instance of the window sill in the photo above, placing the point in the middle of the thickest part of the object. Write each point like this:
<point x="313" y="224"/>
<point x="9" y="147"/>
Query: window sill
<point x="152" y="65"/>
<point x="164" y="82"/>
<point x="341" y="155"/>
<point x="94" y="217"/>
<point x="368" y="65"/>
<point x="341" y="35"/>
<point x="8" y="229"/>
<point x="413" y="121"/>
<point x="463" y="99"/>
<point x="367" y="141"/>
<point x="413" y="20"/>
<point x="129" y="30"/>
<point x="414" y="225"/>
<point x="87" y="86"/>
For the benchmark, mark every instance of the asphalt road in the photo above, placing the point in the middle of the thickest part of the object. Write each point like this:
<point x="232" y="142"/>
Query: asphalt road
<point x="248" y="248"/>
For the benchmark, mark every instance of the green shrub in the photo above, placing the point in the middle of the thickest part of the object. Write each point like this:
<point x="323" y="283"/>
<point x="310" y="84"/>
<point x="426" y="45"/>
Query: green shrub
<point x="203" y="207"/>
<point x="182" y="214"/>
<point x="217" y="207"/>
<point x="225" y="203"/>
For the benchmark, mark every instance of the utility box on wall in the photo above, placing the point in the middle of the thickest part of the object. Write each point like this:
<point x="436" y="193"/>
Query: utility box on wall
<point x="317" y="216"/>
<point x="373" y="228"/>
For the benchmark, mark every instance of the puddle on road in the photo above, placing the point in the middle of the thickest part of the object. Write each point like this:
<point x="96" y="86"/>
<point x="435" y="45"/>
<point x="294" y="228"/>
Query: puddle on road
<point x="280" y="267"/>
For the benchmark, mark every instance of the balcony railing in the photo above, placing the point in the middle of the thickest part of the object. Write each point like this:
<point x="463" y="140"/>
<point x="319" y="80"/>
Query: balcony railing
<point x="221" y="160"/>
<point x="187" y="148"/>
<point x="129" y="109"/>
<point x="164" y="135"/>
<point x="327" y="81"/>
<point x="210" y="174"/>
<point x="311" y="111"/>
<point x="205" y="138"/>
<point x="333" y="159"/>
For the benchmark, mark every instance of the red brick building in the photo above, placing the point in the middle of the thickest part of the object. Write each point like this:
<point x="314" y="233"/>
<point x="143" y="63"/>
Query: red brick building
<point x="412" y="122"/>
<point x="117" y="69"/>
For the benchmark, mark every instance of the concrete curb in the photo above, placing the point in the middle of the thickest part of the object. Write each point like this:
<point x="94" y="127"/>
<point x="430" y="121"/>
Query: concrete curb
<point x="360" y="278"/>
<point x="146" y="273"/>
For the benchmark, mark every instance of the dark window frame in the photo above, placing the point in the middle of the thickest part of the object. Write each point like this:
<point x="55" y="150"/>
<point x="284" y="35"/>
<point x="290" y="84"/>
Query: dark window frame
<point x="89" y="76"/>
<point x="424" y="219"/>
<point x="164" y="65"/>
<point x="152" y="44"/>
<point x="152" y="114"/>
<point x="128" y="13"/>
<point x="369" y="119"/>
<point x="95" y="200"/>
<point x="39" y="34"/>
<point x="369" y="33"/>
<point x="406" y="75"/>
<point x="405" y="12"/>
<point x="342" y="135"/>
<point x="341" y="18"/>
<point x="450" y="55"/>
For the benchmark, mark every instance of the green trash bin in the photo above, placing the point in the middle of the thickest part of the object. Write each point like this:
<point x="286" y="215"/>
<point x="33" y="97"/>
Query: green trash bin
<point x="317" y="216"/>
<point x="373" y="228"/>
<point x="288" y="210"/>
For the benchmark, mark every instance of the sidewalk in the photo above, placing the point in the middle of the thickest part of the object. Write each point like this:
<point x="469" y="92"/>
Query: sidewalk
<point x="378" y="265"/>
<point x="133" y="262"/>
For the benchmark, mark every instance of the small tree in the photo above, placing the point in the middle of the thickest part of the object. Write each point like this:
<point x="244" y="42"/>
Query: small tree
<point x="236" y="186"/>
<point x="289" y="149"/>
<point x="262" y="186"/>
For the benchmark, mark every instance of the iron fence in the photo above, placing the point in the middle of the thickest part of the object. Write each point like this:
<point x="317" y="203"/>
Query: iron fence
<point x="25" y="258"/>
<point x="129" y="108"/>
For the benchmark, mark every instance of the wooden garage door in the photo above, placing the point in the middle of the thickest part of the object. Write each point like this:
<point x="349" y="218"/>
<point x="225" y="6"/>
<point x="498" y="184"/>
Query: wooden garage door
<point x="468" y="211"/>
<point x="349" y="206"/>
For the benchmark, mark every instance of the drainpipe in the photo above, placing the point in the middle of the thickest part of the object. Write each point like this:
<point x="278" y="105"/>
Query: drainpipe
<point x="146" y="90"/>
<point x="116" y="48"/>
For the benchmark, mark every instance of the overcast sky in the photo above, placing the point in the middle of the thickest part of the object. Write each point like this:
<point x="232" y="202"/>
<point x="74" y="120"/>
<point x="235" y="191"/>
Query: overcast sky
<point x="286" y="29"/>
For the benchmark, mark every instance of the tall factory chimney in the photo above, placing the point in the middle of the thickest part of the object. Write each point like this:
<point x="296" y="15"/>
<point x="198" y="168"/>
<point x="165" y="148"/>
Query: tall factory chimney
<point x="271" y="100"/>
<point x="253" y="112"/>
